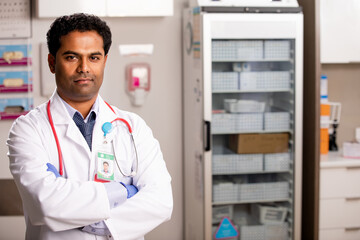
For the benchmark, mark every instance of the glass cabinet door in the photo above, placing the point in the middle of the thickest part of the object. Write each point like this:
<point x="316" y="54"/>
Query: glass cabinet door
<point x="252" y="130"/>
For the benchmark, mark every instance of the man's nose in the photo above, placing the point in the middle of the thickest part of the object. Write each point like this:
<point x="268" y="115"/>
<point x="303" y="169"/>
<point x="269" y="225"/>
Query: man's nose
<point x="83" y="66"/>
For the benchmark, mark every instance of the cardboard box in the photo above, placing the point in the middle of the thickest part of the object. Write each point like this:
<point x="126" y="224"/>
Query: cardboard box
<point x="259" y="143"/>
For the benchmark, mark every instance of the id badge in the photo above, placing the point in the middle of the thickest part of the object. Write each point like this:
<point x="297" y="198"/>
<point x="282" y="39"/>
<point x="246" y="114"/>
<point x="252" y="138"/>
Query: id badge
<point x="105" y="167"/>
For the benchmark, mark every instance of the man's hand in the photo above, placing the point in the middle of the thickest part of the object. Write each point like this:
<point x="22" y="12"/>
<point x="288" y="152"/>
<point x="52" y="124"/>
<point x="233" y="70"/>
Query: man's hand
<point x="98" y="228"/>
<point x="131" y="190"/>
<point x="52" y="168"/>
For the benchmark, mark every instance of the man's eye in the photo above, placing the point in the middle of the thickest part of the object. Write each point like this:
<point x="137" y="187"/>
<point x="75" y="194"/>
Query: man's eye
<point x="94" y="58"/>
<point x="70" y="57"/>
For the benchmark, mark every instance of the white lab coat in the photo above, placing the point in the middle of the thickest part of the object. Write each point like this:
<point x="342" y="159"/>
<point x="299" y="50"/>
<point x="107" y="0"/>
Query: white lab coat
<point x="56" y="207"/>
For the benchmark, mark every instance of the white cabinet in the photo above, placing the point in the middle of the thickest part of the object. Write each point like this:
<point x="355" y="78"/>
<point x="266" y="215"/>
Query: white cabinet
<point x="105" y="8"/>
<point x="339" y="198"/>
<point x="339" y="31"/>
<point x="243" y="119"/>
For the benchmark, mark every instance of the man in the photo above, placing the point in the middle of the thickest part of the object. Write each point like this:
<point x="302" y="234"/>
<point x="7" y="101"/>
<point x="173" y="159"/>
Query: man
<point x="54" y="149"/>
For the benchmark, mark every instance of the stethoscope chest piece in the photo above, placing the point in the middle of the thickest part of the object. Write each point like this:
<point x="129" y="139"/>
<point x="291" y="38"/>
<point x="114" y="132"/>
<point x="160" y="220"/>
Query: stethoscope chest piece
<point x="107" y="127"/>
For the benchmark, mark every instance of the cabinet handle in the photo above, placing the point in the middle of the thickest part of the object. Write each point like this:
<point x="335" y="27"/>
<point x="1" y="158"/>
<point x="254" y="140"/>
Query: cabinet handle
<point x="352" y="198"/>
<point x="207" y="126"/>
<point x="352" y="229"/>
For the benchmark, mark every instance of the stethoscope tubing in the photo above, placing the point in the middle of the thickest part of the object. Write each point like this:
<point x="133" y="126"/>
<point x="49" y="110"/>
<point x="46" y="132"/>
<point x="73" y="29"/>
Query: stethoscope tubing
<point x="61" y="171"/>
<point x="61" y="162"/>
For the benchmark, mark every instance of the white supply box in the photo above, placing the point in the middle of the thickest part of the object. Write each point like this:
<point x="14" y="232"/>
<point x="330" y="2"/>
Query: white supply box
<point x="237" y="50"/>
<point x="225" y="192"/>
<point x="276" y="162"/>
<point x="223" y="122"/>
<point x="247" y="122"/>
<point x="223" y="50"/>
<point x="351" y="150"/>
<point x="220" y="212"/>
<point x="269" y="213"/>
<point x="243" y="106"/>
<point x="237" y="163"/>
<point x="277" y="49"/>
<point x="225" y="81"/>
<point x="264" y="232"/>
<point x="263" y="191"/>
<point x="240" y="122"/>
<point x="276" y="121"/>
<point x="265" y="80"/>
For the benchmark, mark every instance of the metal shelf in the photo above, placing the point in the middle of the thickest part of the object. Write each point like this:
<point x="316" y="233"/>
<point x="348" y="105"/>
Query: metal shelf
<point x="252" y="201"/>
<point x="254" y="60"/>
<point x="254" y="91"/>
<point x="246" y="173"/>
<point x="263" y="131"/>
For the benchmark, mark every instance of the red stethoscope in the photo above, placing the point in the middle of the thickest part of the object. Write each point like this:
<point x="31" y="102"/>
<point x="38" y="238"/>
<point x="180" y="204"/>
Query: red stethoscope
<point x="107" y="128"/>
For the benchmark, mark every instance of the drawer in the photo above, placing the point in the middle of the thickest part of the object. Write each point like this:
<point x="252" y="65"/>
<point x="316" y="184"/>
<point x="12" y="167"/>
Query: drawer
<point x="339" y="233"/>
<point x="340" y="213"/>
<point x="339" y="182"/>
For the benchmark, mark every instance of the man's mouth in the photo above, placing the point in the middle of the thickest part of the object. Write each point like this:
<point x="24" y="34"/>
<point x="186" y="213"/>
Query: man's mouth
<point x="83" y="80"/>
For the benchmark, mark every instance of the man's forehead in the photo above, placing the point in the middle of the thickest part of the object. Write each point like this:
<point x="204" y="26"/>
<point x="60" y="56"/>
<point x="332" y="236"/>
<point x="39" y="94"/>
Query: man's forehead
<point x="83" y="39"/>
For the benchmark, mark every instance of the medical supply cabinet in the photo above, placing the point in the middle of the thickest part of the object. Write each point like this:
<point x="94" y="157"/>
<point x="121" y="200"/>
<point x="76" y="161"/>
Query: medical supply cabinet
<point x="243" y="94"/>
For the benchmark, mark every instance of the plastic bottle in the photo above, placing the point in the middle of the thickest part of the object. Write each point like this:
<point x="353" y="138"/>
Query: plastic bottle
<point x="324" y="89"/>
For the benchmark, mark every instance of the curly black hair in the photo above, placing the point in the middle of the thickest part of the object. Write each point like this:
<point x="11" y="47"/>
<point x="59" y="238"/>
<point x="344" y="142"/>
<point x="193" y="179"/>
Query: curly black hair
<point x="77" y="22"/>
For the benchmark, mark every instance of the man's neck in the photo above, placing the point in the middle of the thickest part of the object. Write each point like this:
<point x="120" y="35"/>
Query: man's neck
<point x="84" y="107"/>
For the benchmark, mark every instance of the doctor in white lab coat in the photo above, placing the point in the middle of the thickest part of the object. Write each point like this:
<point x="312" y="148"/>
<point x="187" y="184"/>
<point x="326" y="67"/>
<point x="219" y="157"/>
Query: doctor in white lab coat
<point x="62" y="207"/>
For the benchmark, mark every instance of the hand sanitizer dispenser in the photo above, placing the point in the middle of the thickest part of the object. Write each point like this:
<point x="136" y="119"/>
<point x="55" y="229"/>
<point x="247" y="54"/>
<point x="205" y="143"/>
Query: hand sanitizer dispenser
<point x="138" y="82"/>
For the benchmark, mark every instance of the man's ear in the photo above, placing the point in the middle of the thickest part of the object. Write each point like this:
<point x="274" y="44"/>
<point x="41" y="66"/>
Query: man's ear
<point x="51" y="62"/>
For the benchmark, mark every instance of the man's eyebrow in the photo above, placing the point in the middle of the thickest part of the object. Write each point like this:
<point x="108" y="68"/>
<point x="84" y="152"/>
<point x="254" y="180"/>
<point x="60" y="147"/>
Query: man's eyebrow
<point x="70" y="52"/>
<point x="96" y="53"/>
<point x="77" y="54"/>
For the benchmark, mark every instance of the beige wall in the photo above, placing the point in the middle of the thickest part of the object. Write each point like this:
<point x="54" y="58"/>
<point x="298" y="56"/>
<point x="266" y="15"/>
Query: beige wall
<point x="344" y="87"/>
<point x="162" y="110"/>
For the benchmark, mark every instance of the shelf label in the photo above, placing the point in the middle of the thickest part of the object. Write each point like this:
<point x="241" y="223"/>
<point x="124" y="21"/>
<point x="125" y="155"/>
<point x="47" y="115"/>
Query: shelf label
<point x="226" y="230"/>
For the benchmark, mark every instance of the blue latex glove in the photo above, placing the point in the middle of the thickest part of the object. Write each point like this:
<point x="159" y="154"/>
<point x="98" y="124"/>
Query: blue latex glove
<point x="52" y="168"/>
<point x="131" y="189"/>
<point x="98" y="228"/>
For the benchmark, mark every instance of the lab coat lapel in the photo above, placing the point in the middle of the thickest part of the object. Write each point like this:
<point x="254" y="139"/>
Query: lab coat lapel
<point x="105" y="115"/>
<point x="62" y="120"/>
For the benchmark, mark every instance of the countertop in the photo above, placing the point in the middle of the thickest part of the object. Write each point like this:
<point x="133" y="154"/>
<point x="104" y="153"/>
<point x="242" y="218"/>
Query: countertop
<point x="335" y="159"/>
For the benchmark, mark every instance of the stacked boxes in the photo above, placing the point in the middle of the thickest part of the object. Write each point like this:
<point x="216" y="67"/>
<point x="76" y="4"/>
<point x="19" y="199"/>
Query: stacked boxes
<point x="226" y="122"/>
<point x="220" y="212"/>
<point x="222" y="81"/>
<point x="276" y="49"/>
<point x="237" y="163"/>
<point x="264" y="232"/>
<point x="249" y="163"/>
<point x="251" y="80"/>
<point x="277" y="162"/>
<point x="247" y="122"/>
<point x="259" y="143"/>
<point x="274" y="121"/>
<point x="263" y="191"/>
<point x="243" y="106"/>
<point x="264" y="80"/>
<point x="225" y="192"/>
<point x="269" y="214"/>
<point x="251" y="50"/>
<point x="237" y="50"/>
<point x="233" y="192"/>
